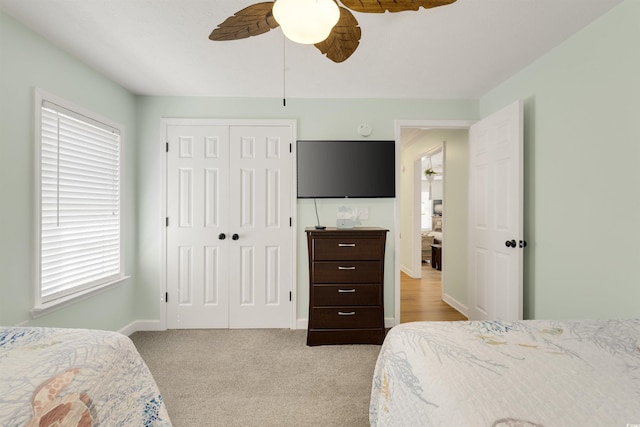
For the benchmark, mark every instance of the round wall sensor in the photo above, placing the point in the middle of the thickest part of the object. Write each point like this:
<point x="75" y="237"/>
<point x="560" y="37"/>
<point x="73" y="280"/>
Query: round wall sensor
<point x="364" y="130"/>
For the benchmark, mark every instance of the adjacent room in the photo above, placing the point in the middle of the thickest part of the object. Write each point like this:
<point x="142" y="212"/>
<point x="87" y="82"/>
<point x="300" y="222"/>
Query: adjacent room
<point x="210" y="214"/>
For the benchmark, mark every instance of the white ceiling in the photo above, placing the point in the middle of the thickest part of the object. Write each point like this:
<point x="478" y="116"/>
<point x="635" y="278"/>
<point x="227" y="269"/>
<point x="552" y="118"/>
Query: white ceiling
<point x="161" y="47"/>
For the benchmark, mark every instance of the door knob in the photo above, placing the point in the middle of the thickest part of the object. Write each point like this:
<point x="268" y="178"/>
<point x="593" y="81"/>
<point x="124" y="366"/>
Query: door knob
<point x="235" y="236"/>
<point x="510" y="243"/>
<point x="222" y="236"/>
<point x="523" y="243"/>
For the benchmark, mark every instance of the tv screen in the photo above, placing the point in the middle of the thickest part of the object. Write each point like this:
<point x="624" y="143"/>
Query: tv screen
<point x="338" y="169"/>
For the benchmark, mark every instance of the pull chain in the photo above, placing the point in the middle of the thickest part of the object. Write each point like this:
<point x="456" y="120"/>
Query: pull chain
<point x="284" y="71"/>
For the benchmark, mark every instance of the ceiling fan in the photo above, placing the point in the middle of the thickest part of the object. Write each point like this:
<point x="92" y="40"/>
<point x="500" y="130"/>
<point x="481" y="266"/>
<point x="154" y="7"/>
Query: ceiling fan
<point x="344" y="37"/>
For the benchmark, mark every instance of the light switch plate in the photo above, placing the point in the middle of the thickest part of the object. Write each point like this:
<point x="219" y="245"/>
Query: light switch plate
<point x="362" y="213"/>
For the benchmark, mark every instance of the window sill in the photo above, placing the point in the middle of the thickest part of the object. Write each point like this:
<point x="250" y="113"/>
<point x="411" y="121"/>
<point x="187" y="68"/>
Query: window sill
<point x="49" y="307"/>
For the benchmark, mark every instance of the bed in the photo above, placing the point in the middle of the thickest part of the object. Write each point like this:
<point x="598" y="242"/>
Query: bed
<point x="498" y="373"/>
<point x="75" y="377"/>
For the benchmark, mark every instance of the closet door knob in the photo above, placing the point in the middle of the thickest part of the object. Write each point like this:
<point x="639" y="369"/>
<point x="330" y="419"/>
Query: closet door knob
<point x="510" y="243"/>
<point x="222" y="236"/>
<point x="235" y="236"/>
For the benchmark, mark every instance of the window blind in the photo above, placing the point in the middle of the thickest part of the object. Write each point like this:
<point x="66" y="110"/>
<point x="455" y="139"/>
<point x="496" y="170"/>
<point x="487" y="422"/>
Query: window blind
<point x="79" y="203"/>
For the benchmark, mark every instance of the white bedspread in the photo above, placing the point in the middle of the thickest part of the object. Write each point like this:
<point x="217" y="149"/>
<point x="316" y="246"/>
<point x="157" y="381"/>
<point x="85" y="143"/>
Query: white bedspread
<point x="75" y="377"/>
<point x="497" y="373"/>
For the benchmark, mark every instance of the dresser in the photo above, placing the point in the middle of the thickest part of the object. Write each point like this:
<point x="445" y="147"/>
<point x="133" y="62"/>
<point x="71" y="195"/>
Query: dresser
<point x="346" y="274"/>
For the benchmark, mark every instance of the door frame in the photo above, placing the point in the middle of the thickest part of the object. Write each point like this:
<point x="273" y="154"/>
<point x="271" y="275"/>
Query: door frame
<point x="164" y="123"/>
<point x="398" y="126"/>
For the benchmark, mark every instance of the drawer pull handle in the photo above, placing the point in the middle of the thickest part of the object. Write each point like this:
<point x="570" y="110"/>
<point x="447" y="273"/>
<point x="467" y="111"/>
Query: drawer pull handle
<point x="345" y="291"/>
<point x="346" y="268"/>
<point x="346" y="313"/>
<point x="346" y="245"/>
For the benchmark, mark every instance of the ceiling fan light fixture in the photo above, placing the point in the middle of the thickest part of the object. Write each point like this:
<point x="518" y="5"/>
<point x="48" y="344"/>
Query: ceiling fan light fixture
<point x="306" y="21"/>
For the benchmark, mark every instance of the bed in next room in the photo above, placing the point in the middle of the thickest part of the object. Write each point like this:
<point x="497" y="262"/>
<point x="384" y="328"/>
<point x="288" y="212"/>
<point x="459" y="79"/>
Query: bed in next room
<point x="500" y="373"/>
<point x="75" y="377"/>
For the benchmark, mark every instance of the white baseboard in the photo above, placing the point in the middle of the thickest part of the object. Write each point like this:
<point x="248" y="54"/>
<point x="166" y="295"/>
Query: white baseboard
<point x="141" y="325"/>
<point x="455" y="304"/>
<point x="408" y="271"/>
<point x="154" y="325"/>
<point x="301" y="324"/>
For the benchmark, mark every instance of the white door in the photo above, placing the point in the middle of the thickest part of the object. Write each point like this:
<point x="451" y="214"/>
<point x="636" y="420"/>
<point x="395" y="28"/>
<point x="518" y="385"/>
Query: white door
<point x="197" y="202"/>
<point x="496" y="216"/>
<point x="260" y="218"/>
<point x="228" y="232"/>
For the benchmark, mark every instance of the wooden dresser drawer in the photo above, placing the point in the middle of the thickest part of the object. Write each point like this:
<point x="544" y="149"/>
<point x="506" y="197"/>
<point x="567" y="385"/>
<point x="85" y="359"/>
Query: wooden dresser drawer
<point x="347" y="272"/>
<point x="346" y="317"/>
<point x="346" y="294"/>
<point x="347" y="248"/>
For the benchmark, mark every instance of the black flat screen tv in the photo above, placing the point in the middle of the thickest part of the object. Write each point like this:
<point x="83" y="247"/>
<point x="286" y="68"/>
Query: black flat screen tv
<point x="352" y="169"/>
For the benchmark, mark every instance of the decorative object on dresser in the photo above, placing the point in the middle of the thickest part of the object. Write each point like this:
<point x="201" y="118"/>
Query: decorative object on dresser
<point x="346" y="274"/>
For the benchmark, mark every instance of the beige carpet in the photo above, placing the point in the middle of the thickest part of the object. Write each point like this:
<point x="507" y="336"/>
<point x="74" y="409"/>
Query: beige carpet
<point x="258" y="378"/>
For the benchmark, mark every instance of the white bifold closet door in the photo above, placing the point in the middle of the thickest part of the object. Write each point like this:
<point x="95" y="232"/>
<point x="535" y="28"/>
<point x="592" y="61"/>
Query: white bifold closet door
<point x="229" y="233"/>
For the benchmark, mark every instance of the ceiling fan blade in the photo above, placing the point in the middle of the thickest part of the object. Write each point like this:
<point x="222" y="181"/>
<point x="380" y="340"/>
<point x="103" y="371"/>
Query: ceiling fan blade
<point x="381" y="6"/>
<point x="343" y="39"/>
<point x="251" y="21"/>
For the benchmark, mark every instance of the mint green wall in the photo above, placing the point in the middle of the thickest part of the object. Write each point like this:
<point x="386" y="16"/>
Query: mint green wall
<point x="582" y="151"/>
<point x="29" y="61"/>
<point x="316" y="119"/>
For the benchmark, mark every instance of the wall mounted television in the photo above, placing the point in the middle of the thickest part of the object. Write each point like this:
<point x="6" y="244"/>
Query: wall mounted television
<point x="346" y="169"/>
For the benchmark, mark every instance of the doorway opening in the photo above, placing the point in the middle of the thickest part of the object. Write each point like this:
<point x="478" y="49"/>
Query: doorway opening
<point x="419" y="139"/>
<point x="430" y="171"/>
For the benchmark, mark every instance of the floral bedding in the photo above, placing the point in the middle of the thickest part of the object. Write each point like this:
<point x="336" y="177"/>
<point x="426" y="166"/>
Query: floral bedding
<point x="499" y="373"/>
<point x="75" y="377"/>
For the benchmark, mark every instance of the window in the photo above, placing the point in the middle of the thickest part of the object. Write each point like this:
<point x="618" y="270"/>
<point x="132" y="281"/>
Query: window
<point x="79" y="206"/>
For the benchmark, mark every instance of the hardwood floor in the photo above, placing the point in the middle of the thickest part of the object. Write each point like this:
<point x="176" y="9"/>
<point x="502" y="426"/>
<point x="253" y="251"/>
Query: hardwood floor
<point x="421" y="299"/>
